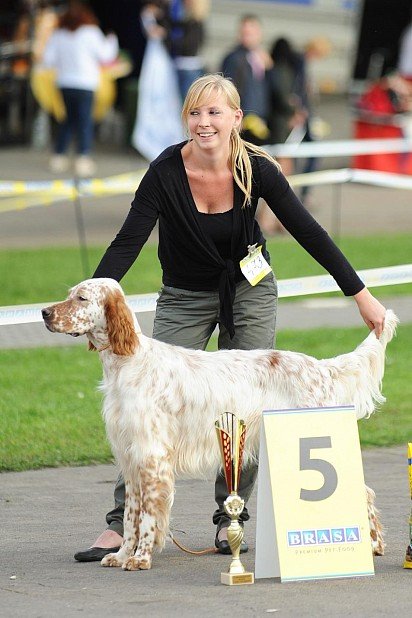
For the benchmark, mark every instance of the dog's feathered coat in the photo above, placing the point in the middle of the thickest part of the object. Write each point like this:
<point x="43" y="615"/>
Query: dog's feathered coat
<point x="161" y="402"/>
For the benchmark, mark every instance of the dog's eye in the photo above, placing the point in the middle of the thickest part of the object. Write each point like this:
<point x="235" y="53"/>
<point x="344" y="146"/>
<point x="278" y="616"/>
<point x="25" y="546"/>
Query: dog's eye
<point x="81" y="298"/>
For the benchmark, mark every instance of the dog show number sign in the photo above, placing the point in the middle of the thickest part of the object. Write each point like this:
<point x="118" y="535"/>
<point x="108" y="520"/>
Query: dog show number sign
<point x="312" y="519"/>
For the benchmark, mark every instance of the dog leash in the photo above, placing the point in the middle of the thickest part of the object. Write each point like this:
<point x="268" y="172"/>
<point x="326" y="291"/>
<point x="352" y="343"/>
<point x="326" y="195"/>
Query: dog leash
<point x="209" y="550"/>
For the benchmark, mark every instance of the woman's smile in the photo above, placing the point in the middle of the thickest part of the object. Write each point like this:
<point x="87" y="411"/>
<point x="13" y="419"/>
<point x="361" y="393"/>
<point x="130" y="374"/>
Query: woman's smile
<point x="206" y="134"/>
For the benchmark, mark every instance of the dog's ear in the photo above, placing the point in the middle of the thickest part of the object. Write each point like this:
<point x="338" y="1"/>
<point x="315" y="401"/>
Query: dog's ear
<point x="120" y="325"/>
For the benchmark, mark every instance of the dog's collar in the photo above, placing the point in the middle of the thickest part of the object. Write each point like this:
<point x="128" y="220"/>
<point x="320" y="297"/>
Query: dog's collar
<point x="105" y="347"/>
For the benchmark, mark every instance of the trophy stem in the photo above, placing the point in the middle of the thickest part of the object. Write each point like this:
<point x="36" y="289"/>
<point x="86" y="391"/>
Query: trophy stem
<point x="237" y="574"/>
<point x="235" y="538"/>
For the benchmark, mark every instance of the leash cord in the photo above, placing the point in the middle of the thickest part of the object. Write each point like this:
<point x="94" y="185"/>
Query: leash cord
<point x="209" y="550"/>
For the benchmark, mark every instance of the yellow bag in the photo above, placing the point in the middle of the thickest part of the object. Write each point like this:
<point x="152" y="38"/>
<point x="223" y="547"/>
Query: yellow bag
<point x="46" y="93"/>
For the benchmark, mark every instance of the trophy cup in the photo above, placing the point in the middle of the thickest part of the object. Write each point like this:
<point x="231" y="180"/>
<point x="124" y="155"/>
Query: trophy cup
<point x="231" y="433"/>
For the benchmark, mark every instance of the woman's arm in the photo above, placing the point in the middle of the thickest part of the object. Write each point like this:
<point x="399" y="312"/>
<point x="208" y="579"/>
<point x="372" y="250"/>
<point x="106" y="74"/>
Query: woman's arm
<point x="315" y="240"/>
<point x="134" y="233"/>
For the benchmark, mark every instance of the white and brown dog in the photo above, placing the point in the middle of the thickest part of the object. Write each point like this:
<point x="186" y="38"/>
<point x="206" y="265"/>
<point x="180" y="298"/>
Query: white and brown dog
<point x="161" y="402"/>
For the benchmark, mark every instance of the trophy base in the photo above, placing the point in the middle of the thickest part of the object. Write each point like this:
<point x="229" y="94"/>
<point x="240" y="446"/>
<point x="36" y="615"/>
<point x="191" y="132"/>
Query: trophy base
<point x="237" y="579"/>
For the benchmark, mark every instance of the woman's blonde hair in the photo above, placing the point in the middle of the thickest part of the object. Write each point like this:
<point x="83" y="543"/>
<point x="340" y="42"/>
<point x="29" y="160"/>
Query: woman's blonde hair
<point x="203" y="90"/>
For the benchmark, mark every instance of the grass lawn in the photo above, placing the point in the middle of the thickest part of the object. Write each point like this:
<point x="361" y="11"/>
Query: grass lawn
<point x="43" y="275"/>
<point x="49" y="406"/>
<point x="50" y="409"/>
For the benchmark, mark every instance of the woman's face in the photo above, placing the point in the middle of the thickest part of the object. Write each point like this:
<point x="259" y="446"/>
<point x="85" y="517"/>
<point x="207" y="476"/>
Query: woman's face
<point x="210" y="124"/>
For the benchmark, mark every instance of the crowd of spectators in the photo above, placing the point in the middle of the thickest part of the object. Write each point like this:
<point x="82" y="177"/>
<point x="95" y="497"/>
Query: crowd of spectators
<point x="273" y="78"/>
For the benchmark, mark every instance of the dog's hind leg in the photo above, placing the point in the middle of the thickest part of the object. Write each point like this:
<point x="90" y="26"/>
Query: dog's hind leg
<point x="376" y="531"/>
<point x="157" y="489"/>
<point x="131" y="526"/>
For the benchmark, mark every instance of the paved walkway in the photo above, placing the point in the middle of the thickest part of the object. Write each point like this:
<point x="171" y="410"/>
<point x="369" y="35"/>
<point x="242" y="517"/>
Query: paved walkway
<point x="47" y="515"/>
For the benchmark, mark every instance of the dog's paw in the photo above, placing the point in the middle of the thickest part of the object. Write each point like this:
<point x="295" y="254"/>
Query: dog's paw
<point x="377" y="539"/>
<point x="135" y="563"/>
<point x="111" y="560"/>
<point x="378" y="548"/>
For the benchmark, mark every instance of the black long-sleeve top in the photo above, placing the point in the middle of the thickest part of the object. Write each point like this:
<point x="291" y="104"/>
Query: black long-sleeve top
<point x="188" y="257"/>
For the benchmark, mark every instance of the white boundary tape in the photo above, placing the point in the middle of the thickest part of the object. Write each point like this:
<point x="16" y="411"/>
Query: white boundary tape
<point x="141" y="303"/>
<point x="368" y="177"/>
<point x="341" y="148"/>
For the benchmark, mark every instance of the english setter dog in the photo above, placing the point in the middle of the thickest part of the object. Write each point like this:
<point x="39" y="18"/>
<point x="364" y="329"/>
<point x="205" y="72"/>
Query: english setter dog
<point x="161" y="402"/>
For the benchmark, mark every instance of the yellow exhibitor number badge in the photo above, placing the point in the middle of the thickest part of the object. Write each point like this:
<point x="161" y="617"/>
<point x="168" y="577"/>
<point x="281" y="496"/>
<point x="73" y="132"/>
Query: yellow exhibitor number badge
<point x="254" y="266"/>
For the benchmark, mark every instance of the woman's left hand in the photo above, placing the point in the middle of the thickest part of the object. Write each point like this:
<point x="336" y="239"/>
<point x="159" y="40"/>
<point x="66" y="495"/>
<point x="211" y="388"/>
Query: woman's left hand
<point x="371" y="310"/>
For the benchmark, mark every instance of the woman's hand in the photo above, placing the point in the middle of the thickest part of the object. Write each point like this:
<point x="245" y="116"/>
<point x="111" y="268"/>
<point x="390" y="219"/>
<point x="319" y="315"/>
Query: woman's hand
<point x="371" y="311"/>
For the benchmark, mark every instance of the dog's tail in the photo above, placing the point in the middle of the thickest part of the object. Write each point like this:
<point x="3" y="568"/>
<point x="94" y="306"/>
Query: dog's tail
<point x="372" y="352"/>
<point x="362" y="370"/>
<point x="391" y="322"/>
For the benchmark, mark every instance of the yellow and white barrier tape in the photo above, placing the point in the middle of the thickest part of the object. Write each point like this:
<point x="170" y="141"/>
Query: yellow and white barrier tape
<point x="66" y="188"/>
<point x="25" y="194"/>
<point x="46" y="194"/>
<point x="19" y="195"/>
<point x="302" y="286"/>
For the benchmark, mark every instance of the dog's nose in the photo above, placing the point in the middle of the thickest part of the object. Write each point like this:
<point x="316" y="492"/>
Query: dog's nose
<point x="46" y="313"/>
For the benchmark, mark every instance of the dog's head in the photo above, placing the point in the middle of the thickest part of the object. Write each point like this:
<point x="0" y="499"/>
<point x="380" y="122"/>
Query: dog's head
<point x="96" y="308"/>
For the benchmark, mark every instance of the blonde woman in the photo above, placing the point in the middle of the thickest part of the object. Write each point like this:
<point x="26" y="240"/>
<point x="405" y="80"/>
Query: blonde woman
<point x="204" y="193"/>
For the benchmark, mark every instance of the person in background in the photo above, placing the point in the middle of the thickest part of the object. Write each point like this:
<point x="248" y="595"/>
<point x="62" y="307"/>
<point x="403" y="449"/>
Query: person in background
<point x="405" y="53"/>
<point x="35" y="27"/>
<point x="383" y="112"/>
<point x="286" y="111"/>
<point x="204" y="193"/>
<point x="76" y="50"/>
<point x="158" y="91"/>
<point x="186" y="38"/>
<point x="305" y="91"/>
<point x="154" y="18"/>
<point x="285" y="115"/>
<point x="246" y="65"/>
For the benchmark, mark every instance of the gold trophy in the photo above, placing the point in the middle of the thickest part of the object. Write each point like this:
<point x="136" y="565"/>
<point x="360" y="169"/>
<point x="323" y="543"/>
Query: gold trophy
<point x="231" y="433"/>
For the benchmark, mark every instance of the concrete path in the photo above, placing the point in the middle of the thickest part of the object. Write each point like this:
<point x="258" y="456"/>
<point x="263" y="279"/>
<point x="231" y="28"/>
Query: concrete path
<point x="47" y="515"/>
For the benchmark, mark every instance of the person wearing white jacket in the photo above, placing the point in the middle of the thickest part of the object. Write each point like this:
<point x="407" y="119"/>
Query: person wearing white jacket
<point x="76" y="50"/>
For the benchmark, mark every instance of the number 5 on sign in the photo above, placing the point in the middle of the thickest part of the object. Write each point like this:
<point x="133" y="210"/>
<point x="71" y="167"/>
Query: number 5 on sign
<point x="312" y="519"/>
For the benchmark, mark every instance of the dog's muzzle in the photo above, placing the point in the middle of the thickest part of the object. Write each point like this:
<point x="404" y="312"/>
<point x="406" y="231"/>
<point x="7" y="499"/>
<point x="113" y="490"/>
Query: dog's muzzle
<point x="47" y="315"/>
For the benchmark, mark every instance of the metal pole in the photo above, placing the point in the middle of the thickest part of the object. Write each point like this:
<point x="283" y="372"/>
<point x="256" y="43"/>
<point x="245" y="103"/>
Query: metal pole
<point x="337" y="213"/>
<point x="81" y="230"/>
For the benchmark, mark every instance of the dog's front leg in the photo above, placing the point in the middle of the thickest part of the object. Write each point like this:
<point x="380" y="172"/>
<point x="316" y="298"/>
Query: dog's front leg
<point x="157" y="488"/>
<point x="131" y="526"/>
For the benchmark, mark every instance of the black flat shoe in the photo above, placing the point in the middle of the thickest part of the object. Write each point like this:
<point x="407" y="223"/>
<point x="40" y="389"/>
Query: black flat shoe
<point x="94" y="554"/>
<point x="224" y="548"/>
